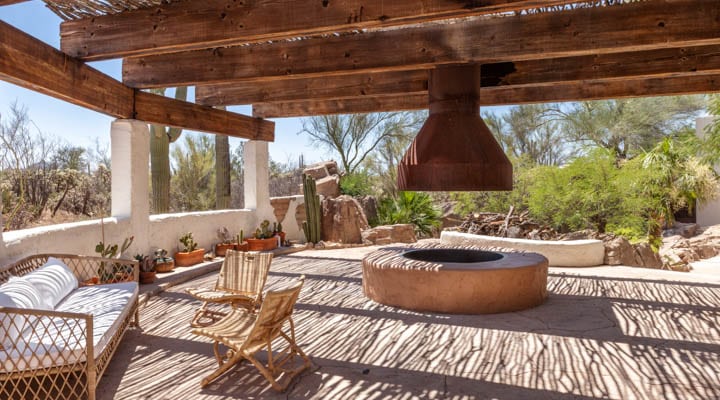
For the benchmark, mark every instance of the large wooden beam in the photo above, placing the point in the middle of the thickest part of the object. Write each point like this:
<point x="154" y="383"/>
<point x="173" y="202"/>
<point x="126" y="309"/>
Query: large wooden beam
<point x="503" y="95"/>
<point x="8" y="2"/>
<point x="676" y="61"/>
<point x="30" y="63"/>
<point x="332" y="87"/>
<point x="179" y="26"/>
<point x="598" y="30"/>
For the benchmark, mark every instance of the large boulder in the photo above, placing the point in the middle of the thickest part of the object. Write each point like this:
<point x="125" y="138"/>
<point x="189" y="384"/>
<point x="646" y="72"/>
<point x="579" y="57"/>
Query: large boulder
<point x="619" y="251"/>
<point x="369" y="206"/>
<point x="343" y="220"/>
<point x="328" y="186"/>
<point x="646" y="257"/>
<point x="321" y="169"/>
<point x="386" y="234"/>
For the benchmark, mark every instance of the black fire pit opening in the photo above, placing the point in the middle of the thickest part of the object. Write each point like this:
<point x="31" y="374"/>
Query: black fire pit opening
<point x="452" y="255"/>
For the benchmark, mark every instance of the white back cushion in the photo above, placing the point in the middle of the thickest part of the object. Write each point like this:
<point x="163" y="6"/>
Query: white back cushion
<point x="16" y="293"/>
<point x="54" y="280"/>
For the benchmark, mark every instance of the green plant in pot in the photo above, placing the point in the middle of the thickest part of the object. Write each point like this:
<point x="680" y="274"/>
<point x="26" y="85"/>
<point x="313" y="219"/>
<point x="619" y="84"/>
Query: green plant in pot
<point x="113" y="271"/>
<point x="279" y="231"/>
<point x="264" y="239"/>
<point x="162" y="262"/>
<point x="190" y="254"/>
<point x="147" y="268"/>
<point x="241" y="244"/>
<point x="226" y="242"/>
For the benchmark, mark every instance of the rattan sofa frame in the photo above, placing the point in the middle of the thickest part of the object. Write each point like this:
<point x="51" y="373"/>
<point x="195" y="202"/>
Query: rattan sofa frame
<point x="72" y="377"/>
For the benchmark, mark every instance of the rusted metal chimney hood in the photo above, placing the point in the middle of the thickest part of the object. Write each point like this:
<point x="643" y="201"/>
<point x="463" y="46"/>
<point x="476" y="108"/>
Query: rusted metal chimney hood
<point x="455" y="150"/>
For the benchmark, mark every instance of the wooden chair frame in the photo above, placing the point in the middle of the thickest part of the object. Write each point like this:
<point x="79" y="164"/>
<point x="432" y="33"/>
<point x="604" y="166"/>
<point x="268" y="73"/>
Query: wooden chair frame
<point x="240" y="283"/>
<point x="245" y="334"/>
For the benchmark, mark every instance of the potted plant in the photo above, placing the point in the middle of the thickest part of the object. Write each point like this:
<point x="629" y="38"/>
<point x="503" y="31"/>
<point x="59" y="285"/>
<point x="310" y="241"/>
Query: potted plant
<point x="281" y="233"/>
<point x="190" y="253"/>
<point x="162" y="262"/>
<point x="226" y="242"/>
<point x="117" y="271"/>
<point x="241" y="244"/>
<point x="264" y="239"/>
<point x="147" y="268"/>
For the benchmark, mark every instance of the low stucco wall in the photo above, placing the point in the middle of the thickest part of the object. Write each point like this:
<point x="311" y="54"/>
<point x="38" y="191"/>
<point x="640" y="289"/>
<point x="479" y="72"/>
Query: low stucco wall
<point x="163" y="230"/>
<point x="73" y="238"/>
<point x="560" y="253"/>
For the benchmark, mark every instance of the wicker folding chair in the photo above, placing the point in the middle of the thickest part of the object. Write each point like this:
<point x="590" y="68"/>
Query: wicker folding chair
<point x="245" y="334"/>
<point x="240" y="284"/>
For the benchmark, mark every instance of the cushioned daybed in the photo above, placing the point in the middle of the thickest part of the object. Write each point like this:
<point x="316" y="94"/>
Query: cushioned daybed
<point x="61" y="319"/>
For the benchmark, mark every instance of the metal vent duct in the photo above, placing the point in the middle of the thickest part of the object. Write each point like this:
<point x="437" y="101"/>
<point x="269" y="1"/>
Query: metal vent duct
<point x="455" y="150"/>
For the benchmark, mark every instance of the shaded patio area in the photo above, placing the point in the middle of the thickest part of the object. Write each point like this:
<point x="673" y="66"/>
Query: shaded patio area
<point x="606" y="332"/>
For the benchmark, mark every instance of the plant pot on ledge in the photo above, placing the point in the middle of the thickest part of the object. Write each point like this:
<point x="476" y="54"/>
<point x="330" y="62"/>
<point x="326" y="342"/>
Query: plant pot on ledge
<point x="147" y="277"/>
<point x="261" y="244"/>
<point x="244" y="246"/>
<point x="165" y="266"/>
<point x="222" y="248"/>
<point x="184" y="259"/>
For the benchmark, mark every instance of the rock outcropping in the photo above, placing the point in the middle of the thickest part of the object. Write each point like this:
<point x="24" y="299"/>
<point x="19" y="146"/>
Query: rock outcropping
<point x="343" y="220"/>
<point x="386" y="234"/>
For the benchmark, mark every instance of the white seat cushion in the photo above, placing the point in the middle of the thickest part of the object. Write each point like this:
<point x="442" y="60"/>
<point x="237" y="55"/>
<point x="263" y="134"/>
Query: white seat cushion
<point x="17" y="293"/>
<point x="54" y="280"/>
<point x="61" y="344"/>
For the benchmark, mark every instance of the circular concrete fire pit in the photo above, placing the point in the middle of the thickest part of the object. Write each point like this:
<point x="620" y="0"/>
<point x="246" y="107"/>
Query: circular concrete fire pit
<point x="455" y="280"/>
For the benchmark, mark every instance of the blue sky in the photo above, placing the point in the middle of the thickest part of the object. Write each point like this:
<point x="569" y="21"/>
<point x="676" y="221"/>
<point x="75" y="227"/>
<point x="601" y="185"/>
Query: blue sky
<point x="83" y="127"/>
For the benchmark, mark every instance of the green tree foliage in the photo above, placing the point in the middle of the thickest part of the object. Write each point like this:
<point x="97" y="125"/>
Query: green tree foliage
<point x="193" y="180"/>
<point x="353" y="137"/>
<point x="415" y="208"/>
<point x="583" y="194"/>
<point x="531" y="131"/>
<point x="356" y="184"/>
<point x="627" y="127"/>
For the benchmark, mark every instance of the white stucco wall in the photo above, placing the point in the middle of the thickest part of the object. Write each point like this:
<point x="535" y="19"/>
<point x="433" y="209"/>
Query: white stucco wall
<point x="560" y="253"/>
<point x="73" y="238"/>
<point x="708" y="213"/>
<point x="166" y="229"/>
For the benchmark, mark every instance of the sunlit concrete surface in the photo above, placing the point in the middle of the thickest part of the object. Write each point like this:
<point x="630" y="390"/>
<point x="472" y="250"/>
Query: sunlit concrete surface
<point x="605" y="332"/>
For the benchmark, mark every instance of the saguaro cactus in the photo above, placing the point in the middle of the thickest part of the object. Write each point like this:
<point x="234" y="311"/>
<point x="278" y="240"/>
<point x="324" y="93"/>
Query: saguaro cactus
<point x="311" y="226"/>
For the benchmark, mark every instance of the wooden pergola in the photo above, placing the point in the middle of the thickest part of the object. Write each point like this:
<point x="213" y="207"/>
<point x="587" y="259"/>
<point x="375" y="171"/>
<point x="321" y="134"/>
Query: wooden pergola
<point x="309" y="57"/>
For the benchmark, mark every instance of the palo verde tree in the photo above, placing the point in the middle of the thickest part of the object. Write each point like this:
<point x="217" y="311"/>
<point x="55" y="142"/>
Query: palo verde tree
<point x="160" y="139"/>
<point x="353" y="137"/>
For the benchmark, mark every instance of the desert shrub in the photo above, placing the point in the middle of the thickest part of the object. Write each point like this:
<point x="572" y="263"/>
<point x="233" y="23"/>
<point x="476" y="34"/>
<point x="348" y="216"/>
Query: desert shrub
<point x="415" y="208"/>
<point x="356" y="184"/>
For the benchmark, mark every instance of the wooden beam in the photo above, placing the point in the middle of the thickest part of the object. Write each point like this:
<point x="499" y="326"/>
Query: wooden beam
<point x="354" y="85"/>
<point x="30" y="63"/>
<point x="598" y="30"/>
<point x="503" y="95"/>
<point x="632" y="65"/>
<point x="8" y="2"/>
<point x="166" y="111"/>
<point x="180" y="26"/>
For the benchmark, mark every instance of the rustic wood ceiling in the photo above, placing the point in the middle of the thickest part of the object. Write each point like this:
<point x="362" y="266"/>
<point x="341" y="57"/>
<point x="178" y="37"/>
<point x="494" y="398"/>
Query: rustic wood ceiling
<point x="306" y="57"/>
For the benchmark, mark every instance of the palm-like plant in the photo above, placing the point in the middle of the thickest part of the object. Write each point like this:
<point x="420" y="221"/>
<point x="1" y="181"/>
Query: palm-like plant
<point x="410" y="208"/>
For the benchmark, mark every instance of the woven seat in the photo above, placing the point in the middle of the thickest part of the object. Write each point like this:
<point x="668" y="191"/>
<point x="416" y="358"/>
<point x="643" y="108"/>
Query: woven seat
<point x="245" y="334"/>
<point x="240" y="284"/>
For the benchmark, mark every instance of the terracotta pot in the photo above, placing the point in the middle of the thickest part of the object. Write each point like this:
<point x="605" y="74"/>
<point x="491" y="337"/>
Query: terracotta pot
<point x="222" y="248"/>
<point x="165" y="267"/>
<point x="183" y="259"/>
<point x="244" y="246"/>
<point x="147" y="277"/>
<point x="262" y="244"/>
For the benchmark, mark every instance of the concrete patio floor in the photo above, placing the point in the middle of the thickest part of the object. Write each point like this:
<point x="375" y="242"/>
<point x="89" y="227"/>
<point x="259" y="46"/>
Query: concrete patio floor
<point x="605" y="332"/>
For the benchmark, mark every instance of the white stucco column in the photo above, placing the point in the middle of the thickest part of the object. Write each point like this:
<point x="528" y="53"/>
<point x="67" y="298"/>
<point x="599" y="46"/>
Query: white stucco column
<point x="256" y="172"/>
<point x="130" y="154"/>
